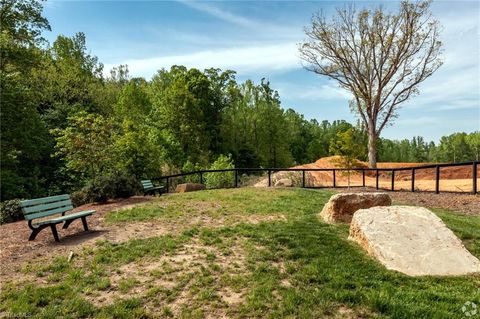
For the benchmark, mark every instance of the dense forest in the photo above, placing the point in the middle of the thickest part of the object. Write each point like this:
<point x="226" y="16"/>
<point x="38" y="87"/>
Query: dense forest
<point x="65" y="125"/>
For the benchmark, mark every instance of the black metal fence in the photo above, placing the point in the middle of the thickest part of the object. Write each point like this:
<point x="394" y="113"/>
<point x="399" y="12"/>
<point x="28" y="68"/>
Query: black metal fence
<point x="391" y="179"/>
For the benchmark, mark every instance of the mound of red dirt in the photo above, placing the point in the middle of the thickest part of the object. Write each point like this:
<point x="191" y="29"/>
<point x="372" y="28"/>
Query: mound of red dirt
<point x="460" y="174"/>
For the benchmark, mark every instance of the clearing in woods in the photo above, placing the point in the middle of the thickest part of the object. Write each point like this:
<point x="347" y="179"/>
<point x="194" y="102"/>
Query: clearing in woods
<point x="236" y="253"/>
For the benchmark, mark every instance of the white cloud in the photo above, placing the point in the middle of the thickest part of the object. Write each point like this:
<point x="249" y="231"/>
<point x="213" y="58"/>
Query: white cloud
<point x="456" y="85"/>
<point x="219" y="13"/>
<point x="322" y="92"/>
<point x="280" y="32"/>
<point x="279" y="57"/>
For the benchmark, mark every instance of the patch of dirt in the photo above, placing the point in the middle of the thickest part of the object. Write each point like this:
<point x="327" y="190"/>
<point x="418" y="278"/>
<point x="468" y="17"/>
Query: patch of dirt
<point x="16" y="249"/>
<point x="461" y="203"/>
<point x="15" y="245"/>
<point x="231" y="297"/>
<point x="257" y="219"/>
<point x="177" y="272"/>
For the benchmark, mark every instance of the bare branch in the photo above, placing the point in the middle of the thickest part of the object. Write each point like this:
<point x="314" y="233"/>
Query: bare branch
<point x="380" y="57"/>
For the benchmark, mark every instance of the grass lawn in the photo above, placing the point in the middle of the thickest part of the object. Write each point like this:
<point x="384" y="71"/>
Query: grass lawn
<point x="238" y="253"/>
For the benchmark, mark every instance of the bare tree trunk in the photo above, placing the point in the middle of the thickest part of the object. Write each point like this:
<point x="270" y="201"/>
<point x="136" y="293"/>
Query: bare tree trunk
<point x="372" y="149"/>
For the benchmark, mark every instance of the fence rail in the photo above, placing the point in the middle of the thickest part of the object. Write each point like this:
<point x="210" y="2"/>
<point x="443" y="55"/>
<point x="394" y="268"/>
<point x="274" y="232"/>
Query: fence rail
<point x="414" y="170"/>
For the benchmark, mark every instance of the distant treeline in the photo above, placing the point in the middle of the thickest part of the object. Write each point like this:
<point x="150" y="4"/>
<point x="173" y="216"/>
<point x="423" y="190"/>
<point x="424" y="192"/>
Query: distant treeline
<point x="64" y="125"/>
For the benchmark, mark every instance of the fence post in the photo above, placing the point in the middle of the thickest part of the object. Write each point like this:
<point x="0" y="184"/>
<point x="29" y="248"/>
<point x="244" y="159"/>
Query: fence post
<point x="168" y="184"/>
<point x="437" y="179"/>
<point x="376" y="178"/>
<point x="393" y="180"/>
<point x="334" y="181"/>
<point x="201" y="177"/>
<point x="303" y="180"/>
<point x="236" y="178"/>
<point x="269" y="178"/>
<point x="413" y="180"/>
<point x="363" y="177"/>
<point x="474" y="178"/>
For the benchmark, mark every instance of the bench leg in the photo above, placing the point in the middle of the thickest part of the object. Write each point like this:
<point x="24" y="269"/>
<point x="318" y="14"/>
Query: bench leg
<point x="84" y="222"/>
<point x="54" y="232"/>
<point x="35" y="232"/>
<point x="67" y="223"/>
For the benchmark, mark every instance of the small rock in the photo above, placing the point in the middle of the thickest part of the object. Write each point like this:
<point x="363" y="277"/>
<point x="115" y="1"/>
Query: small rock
<point x="189" y="187"/>
<point x="341" y="207"/>
<point x="284" y="182"/>
<point x="70" y="256"/>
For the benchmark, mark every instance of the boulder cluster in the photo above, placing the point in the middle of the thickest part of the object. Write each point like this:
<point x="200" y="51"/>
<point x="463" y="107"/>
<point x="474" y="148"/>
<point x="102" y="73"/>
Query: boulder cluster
<point x="409" y="239"/>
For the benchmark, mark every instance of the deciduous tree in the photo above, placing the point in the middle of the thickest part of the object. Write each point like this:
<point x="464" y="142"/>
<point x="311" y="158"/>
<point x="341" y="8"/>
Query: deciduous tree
<point x="380" y="57"/>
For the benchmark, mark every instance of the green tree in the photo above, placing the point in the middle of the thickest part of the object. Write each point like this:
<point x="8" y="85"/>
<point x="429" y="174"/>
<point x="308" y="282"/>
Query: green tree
<point x="271" y="128"/>
<point x="473" y="141"/>
<point x="179" y="110"/>
<point x="299" y="134"/>
<point x="85" y="144"/>
<point x="24" y="142"/>
<point x="348" y="149"/>
<point x="69" y="80"/>
<point x="22" y="24"/>
<point x="220" y="179"/>
<point x="136" y="152"/>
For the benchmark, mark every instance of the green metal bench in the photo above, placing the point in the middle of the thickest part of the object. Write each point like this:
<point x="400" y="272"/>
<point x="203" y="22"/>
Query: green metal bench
<point x="53" y="206"/>
<point x="149" y="188"/>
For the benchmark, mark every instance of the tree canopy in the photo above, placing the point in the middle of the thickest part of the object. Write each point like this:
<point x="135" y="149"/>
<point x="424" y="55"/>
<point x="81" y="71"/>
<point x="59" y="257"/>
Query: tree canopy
<point x="65" y="125"/>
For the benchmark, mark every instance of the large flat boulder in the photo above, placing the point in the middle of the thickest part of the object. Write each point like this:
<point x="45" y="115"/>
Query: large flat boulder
<point x="411" y="240"/>
<point x="341" y="207"/>
<point x="189" y="187"/>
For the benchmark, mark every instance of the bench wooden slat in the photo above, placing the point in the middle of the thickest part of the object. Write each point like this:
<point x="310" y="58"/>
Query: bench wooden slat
<point x="46" y="207"/>
<point x="66" y="217"/>
<point x="49" y="206"/>
<point x="44" y="200"/>
<point x="48" y="212"/>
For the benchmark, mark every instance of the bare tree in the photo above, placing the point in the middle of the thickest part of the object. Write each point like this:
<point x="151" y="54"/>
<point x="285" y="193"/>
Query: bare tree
<point x="380" y="57"/>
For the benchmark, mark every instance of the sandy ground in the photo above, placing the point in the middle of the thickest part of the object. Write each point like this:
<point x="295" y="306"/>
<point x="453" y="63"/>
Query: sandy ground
<point x="461" y="203"/>
<point x="452" y="179"/>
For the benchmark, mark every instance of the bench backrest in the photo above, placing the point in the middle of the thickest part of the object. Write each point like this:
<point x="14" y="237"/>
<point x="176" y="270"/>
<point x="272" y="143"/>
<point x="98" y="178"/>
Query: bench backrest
<point x="147" y="184"/>
<point x="46" y="206"/>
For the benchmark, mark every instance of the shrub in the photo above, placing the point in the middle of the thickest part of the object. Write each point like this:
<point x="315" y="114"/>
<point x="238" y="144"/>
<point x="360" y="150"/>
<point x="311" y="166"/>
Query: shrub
<point x="224" y="179"/>
<point x="190" y="167"/>
<point x="100" y="190"/>
<point x="80" y="197"/>
<point x="10" y="211"/>
<point x="117" y="185"/>
<point x="125" y="186"/>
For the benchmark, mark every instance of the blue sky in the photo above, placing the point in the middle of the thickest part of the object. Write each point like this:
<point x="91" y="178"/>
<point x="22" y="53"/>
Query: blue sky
<point x="259" y="39"/>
